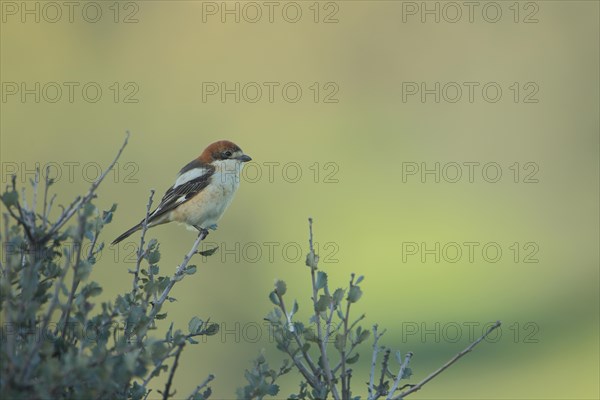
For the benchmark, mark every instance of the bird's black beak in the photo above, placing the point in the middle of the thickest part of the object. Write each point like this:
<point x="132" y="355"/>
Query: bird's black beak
<point x="244" y="158"/>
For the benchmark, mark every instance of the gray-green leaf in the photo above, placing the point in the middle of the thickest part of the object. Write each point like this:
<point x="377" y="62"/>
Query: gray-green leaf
<point x="338" y="295"/>
<point x="312" y="260"/>
<point x="280" y="287"/>
<point x="195" y="325"/>
<point x="321" y="280"/>
<point x="273" y="298"/>
<point x="10" y="198"/>
<point x="190" y="269"/>
<point x="353" y="359"/>
<point x="354" y="294"/>
<point x="323" y="303"/>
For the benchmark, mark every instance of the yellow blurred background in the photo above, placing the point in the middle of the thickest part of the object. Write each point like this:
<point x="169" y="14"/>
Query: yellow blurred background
<point x="359" y="114"/>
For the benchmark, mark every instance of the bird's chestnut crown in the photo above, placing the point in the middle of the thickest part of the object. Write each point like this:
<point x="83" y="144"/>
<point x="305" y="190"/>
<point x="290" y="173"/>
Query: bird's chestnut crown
<point x="223" y="150"/>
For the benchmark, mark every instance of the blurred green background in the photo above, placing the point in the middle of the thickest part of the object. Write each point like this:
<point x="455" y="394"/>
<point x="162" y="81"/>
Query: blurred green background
<point x="353" y="137"/>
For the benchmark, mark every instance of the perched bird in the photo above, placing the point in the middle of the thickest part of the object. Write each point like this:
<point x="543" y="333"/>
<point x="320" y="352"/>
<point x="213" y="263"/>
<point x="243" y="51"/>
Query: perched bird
<point x="202" y="191"/>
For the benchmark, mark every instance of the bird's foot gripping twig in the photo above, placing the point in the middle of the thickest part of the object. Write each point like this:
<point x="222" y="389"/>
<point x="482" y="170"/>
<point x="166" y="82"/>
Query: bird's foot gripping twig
<point x="202" y="230"/>
<point x="204" y="233"/>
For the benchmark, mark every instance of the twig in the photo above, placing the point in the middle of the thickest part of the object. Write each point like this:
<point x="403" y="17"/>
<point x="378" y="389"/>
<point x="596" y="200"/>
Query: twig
<point x="76" y="280"/>
<point x="169" y="354"/>
<point x="8" y="304"/>
<point x="201" y="386"/>
<point x="53" y="303"/>
<point x="46" y="188"/>
<point x="94" y="241"/>
<point x="306" y="356"/>
<point x="345" y="384"/>
<point x="165" y="294"/>
<point x="374" y="361"/>
<point x="36" y="182"/>
<point x="28" y="365"/>
<point x="50" y="204"/>
<point x="3" y="252"/>
<point x="156" y="369"/>
<point x="419" y="385"/>
<point x="80" y="201"/>
<point x="26" y="212"/>
<point x="352" y="346"/>
<point x="322" y="344"/>
<point x="311" y="378"/>
<point x="384" y="369"/>
<point x="302" y="368"/>
<point x="20" y="218"/>
<point x="349" y="375"/>
<point x="332" y="308"/>
<point x="400" y="375"/>
<point x="178" y="275"/>
<point x="141" y="252"/>
<point x="172" y="373"/>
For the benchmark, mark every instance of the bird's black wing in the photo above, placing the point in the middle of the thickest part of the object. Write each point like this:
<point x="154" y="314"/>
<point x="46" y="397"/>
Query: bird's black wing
<point x="177" y="195"/>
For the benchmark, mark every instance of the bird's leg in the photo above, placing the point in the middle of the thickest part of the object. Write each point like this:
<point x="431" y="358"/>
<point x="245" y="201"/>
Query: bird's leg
<point x="201" y="229"/>
<point x="204" y="233"/>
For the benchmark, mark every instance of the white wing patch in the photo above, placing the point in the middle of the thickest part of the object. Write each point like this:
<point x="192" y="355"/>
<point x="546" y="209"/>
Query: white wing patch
<point x="189" y="175"/>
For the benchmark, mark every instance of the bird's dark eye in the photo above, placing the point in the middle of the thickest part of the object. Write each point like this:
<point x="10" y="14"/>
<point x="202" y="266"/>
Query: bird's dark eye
<point x="227" y="154"/>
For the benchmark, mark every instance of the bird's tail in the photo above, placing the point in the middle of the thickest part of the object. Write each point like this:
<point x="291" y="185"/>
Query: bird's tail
<point x="128" y="233"/>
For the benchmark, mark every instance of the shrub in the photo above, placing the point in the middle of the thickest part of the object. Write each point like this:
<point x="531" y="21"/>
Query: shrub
<point x="58" y="343"/>
<point x="93" y="351"/>
<point x="331" y="323"/>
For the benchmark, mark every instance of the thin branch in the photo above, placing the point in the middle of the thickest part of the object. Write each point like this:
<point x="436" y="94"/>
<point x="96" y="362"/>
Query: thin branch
<point x="343" y="355"/>
<point x="36" y="182"/>
<point x="156" y="369"/>
<point x="3" y="251"/>
<point x="25" y="211"/>
<point x="178" y="275"/>
<point x="45" y="206"/>
<point x="165" y="294"/>
<point x="400" y="375"/>
<point x="169" y="354"/>
<point x="9" y="295"/>
<point x="332" y="308"/>
<point x="419" y="385"/>
<point x="28" y="365"/>
<point x="50" y="204"/>
<point x="81" y="201"/>
<point x="349" y="374"/>
<point x="310" y="378"/>
<point x="6" y="237"/>
<point x="376" y="338"/>
<point x="53" y="303"/>
<point x="76" y="280"/>
<point x="353" y="346"/>
<point x="19" y="218"/>
<point x="172" y="373"/>
<point x="306" y="356"/>
<point x="141" y="252"/>
<point x="94" y="241"/>
<point x="201" y="386"/>
<point x="357" y="321"/>
<point x="384" y="369"/>
<point x="6" y="230"/>
<point x="322" y="344"/>
<point x="302" y="368"/>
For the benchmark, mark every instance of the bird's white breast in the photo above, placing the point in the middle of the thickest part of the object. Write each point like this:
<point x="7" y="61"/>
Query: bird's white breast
<point x="208" y="206"/>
